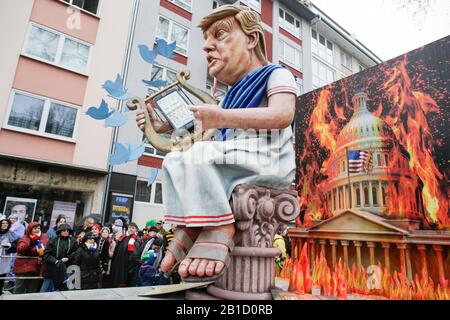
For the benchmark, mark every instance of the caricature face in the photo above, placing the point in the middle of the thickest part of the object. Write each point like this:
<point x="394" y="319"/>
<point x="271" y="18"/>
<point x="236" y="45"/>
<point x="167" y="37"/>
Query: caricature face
<point x="228" y="50"/>
<point x="20" y="210"/>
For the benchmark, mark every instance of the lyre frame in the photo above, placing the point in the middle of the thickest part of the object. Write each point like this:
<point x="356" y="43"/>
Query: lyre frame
<point x="155" y="139"/>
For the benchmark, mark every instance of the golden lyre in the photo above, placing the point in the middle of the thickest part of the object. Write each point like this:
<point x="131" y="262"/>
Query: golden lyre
<point x="157" y="140"/>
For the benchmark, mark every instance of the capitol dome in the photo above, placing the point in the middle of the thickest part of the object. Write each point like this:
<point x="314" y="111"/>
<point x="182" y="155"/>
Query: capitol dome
<point x="367" y="188"/>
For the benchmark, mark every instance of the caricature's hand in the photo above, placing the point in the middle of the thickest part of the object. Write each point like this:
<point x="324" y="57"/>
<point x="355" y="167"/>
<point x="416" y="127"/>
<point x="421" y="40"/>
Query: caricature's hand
<point x="208" y="116"/>
<point x="159" y="126"/>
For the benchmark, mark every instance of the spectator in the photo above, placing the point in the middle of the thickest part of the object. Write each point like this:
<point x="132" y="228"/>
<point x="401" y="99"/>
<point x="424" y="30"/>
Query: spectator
<point x="96" y="230"/>
<point x="79" y="239"/>
<point x="32" y="246"/>
<point x="56" y="257"/>
<point x="125" y="260"/>
<point x="51" y="233"/>
<point x="161" y="230"/>
<point x="104" y="243"/>
<point x="19" y="229"/>
<point x="118" y="228"/>
<point x="86" y="227"/>
<point x="88" y="258"/>
<point x="7" y="247"/>
<point x="149" y="273"/>
<point x="278" y="242"/>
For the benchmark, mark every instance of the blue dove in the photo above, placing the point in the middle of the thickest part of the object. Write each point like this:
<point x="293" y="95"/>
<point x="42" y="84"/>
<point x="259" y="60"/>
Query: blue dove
<point x="147" y="55"/>
<point x="136" y="151"/>
<point x="118" y="119"/>
<point x="155" y="83"/>
<point x="121" y="155"/>
<point x="116" y="89"/>
<point x="100" y="113"/>
<point x="165" y="49"/>
<point x="153" y="176"/>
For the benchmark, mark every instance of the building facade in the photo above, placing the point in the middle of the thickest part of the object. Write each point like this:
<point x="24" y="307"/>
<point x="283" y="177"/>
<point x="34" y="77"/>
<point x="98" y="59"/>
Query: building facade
<point x="56" y="55"/>
<point x="298" y="35"/>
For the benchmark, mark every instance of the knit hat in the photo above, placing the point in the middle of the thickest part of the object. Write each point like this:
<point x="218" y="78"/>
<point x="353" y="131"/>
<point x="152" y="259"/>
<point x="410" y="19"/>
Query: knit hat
<point x="155" y="229"/>
<point x="97" y="226"/>
<point x="106" y="228"/>
<point x="118" y="223"/>
<point x="63" y="227"/>
<point x="150" y="223"/>
<point x="88" y="236"/>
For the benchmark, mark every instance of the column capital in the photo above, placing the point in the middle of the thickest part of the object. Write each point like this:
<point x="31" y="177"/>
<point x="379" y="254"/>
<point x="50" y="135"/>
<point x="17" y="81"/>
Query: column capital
<point x="345" y="243"/>
<point x="371" y="244"/>
<point x="312" y="241"/>
<point x="386" y="245"/>
<point x="357" y="243"/>
<point x="402" y="246"/>
<point x="323" y="241"/>
<point x="421" y="247"/>
<point x="437" y="247"/>
<point x="333" y="242"/>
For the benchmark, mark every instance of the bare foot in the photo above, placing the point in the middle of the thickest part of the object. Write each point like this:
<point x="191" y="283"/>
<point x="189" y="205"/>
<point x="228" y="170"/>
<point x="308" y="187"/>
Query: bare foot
<point x="169" y="260"/>
<point x="204" y="267"/>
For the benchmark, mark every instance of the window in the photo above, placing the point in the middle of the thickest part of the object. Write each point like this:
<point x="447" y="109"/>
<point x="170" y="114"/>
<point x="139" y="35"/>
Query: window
<point x="221" y="89"/>
<point x="161" y="73"/>
<point x="185" y="4"/>
<point x="299" y="83"/>
<point x="41" y="116"/>
<point x="91" y="6"/>
<point x="379" y="160"/>
<point x="58" y="49"/>
<point x="346" y="60"/>
<point x="366" y="196"/>
<point x="322" y="47"/>
<point x="170" y="31"/>
<point x="322" y="73"/>
<point x="290" y="23"/>
<point x="254" y="4"/>
<point x="358" y="196"/>
<point x="290" y="55"/>
<point x="149" y="194"/>
<point x="375" y="195"/>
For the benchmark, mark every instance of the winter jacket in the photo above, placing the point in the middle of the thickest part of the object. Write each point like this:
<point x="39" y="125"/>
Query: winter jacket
<point x="103" y="248"/>
<point x="89" y="263"/>
<point x="57" y="249"/>
<point x="51" y="233"/>
<point x="27" y="248"/>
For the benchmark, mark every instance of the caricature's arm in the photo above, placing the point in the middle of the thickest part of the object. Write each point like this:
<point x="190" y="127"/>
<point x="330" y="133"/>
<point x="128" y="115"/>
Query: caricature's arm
<point x="278" y="115"/>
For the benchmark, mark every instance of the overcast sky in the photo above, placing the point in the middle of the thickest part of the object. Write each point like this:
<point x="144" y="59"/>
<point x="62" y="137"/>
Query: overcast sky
<point x="386" y="30"/>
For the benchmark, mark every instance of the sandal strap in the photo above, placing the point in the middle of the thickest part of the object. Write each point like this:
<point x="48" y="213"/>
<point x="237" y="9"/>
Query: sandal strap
<point x="204" y="251"/>
<point x="176" y="249"/>
<point x="215" y="236"/>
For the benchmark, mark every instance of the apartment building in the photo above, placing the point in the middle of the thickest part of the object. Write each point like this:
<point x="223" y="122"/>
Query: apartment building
<point x="56" y="54"/>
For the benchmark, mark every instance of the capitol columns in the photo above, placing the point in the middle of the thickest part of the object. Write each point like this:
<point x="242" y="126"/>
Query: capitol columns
<point x="333" y="244"/>
<point x="322" y="247"/>
<point x="312" y="251"/>
<point x="405" y="261"/>
<point x="387" y="262"/>
<point x="438" y="251"/>
<point x="423" y="257"/>
<point x="358" y="245"/>
<point x="371" y="245"/>
<point x="345" y="245"/>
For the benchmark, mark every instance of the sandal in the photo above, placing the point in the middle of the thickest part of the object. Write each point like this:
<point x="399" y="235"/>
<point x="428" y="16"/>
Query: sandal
<point x="201" y="250"/>
<point x="178" y="252"/>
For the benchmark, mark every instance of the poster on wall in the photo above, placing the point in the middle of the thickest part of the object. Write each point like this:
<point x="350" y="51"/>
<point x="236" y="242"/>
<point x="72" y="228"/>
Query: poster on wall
<point x="23" y="208"/>
<point x="121" y="205"/>
<point x="68" y="209"/>
<point x="378" y="142"/>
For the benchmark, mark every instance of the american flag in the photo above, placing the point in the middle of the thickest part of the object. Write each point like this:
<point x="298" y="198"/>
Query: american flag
<point x="358" y="161"/>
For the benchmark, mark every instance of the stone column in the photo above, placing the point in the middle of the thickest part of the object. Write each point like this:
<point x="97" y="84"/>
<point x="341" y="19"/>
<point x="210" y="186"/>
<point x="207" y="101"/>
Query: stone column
<point x="380" y="194"/>
<point x="345" y="245"/>
<point x="361" y="193"/>
<point x="370" y="194"/>
<point x="371" y="246"/>
<point x="438" y="252"/>
<point x="299" y="248"/>
<point x="333" y="244"/>
<point x="258" y="212"/>
<point x="387" y="262"/>
<point x="344" y="195"/>
<point x="322" y="247"/>
<point x="358" y="246"/>
<point x="312" y="252"/>
<point x="401" y="248"/>
<point x="423" y="258"/>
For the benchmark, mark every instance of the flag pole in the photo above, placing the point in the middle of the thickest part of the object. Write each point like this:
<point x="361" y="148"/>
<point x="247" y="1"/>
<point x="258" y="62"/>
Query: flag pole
<point x="348" y="176"/>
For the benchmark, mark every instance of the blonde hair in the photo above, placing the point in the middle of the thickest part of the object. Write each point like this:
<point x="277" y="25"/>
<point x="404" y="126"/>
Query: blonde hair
<point x="249" y="21"/>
